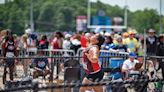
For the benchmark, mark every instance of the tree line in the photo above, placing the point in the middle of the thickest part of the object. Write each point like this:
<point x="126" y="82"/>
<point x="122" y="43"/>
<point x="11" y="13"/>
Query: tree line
<point x="60" y="15"/>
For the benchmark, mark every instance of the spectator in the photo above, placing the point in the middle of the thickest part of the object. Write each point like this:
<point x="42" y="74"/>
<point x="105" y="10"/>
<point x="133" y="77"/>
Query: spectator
<point x="141" y="51"/>
<point x="76" y="44"/>
<point x="131" y="42"/>
<point x="23" y="47"/>
<point x="83" y="40"/>
<point x="120" y="47"/>
<point x="31" y="44"/>
<point x="160" y="52"/>
<point x="87" y="36"/>
<point x="67" y="42"/>
<point x="151" y="42"/>
<point x="129" y="68"/>
<point x="40" y="65"/>
<point x="125" y="35"/>
<point x="108" y="43"/>
<point x="9" y="51"/>
<point x="57" y="41"/>
<point x="44" y="44"/>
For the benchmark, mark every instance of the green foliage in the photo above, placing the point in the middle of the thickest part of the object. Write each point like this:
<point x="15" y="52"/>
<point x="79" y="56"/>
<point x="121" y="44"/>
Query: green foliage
<point x="53" y="15"/>
<point x="145" y="19"/>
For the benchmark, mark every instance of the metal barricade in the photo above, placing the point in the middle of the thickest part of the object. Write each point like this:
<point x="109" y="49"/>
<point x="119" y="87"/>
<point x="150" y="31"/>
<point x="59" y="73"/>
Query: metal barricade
<point x="112" y="62"/>
<point x="80" y="51"/>
<point x="61" y="55"/>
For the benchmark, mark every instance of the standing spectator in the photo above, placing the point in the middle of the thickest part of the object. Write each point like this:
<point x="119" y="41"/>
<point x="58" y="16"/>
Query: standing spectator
<point x="91" y="63"/>
<point x="125" y="35"/>
<point x="108" y="43"/>
<point x="120" y="47"/>
<point x="141" y="50"/>
<point x="67" y="42"/>
<point x="31" y="44"/>
<point x="9" y="51"/>
<point x="160" y="52"/>
<point x="44" y="44"/>
<point x="57" y="44"/>
<point x="23" y="48"/>
<point x="57" y="41"/>
<point x="83" y="40"/>
<point x="151" y="47"/>
<point x="151" y="42"/>
<point x="76" y="44"/>
<point x="87" y="36"/>
<point x="131" y="42"/>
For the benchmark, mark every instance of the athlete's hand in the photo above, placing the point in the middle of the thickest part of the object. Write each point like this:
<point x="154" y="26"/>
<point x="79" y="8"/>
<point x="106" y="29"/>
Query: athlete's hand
<point x="89" y="55"/>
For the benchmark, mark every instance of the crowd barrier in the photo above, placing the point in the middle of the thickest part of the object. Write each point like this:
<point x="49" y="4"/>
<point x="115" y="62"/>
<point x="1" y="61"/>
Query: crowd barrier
<point x="119" y="86"/>
<point x="72" y="64"/>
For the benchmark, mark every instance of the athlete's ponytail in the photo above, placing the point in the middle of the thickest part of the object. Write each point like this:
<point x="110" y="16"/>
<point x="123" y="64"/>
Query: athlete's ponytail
<point x="101" y="40"/>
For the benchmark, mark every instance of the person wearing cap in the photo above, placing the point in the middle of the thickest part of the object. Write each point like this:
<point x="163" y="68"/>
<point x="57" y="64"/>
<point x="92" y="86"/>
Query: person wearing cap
<point x="125" y="35"/>
<point x="67" y="42"/>
<point x="128" y="67"/>
<point x="151" y="42"/>
<point x="131" y="42"/>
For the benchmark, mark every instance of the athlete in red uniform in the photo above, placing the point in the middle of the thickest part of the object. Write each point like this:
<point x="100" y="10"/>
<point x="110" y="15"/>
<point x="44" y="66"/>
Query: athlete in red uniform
<point x="91" y="64"/>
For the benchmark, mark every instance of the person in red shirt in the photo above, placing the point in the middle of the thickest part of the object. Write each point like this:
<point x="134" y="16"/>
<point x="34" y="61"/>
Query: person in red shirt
<point x="91" y="63"/>
<point x="83" y="40"/>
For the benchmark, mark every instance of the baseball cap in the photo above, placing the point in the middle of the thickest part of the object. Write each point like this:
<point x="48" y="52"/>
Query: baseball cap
<point x="151" y="30"/>
<point x="67" y="36"/>
<point x="132" y="55"/>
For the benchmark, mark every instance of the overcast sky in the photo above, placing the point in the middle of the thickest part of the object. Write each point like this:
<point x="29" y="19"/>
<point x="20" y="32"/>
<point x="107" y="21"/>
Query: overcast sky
<point x="137" y="4"/>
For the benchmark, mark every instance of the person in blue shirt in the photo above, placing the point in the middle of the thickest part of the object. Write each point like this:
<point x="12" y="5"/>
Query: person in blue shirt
<point x="120" y="47"/>
<point x="108" y="43"/>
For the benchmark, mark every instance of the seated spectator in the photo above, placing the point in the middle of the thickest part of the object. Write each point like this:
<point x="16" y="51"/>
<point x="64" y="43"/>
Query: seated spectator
<point x="40" y="66"/>
<point x="129" y="67"/>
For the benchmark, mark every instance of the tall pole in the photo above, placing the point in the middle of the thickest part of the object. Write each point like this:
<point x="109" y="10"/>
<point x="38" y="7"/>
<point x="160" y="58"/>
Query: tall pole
<point x="125" y="14"/>
<point x="145" y="50"/>
<point x="89" y="14"/>
<point x="160" y="13"/>
<point x="31" y="16"/>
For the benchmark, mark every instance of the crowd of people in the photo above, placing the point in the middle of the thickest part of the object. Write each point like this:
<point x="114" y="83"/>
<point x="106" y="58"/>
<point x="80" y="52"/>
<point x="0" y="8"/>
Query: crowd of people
<point x="129" y="42"/>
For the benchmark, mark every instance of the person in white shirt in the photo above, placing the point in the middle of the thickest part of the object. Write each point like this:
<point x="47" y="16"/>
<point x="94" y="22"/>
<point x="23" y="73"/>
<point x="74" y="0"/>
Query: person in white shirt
<point x="67" y="42"/>
<point x="128" y="67"/>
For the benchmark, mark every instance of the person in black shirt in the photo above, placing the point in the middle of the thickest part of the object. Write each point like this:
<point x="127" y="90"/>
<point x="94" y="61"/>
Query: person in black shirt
<point x="160" y="52"/>
<point x="151" y="42"/>
<point x="9" y="51"/>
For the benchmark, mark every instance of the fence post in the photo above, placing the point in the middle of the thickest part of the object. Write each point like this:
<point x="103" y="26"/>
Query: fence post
<point x="35" y="87"/>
